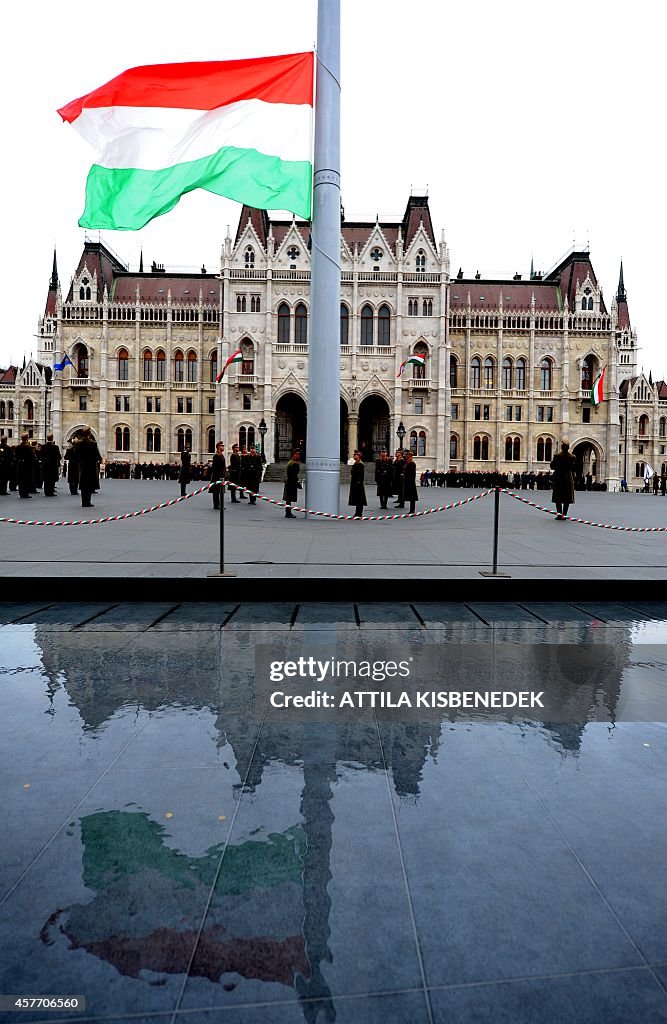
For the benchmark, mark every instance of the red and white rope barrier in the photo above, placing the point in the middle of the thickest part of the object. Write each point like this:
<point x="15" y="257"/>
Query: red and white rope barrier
<point x="585" y="522"/>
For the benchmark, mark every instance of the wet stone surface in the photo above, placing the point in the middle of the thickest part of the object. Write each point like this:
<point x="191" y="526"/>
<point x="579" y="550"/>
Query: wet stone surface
<point x="176" y="852"/>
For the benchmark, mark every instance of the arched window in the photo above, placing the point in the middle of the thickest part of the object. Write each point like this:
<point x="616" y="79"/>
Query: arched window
<point x="188" y="438"/>
<point x="427" y="307"/>
<point x="82" y="361"/>
<point x="367" y="325"/>
<point x="249" y="258"/>
<point x="663" y="426"/>
<point x="3" y="411"/>
<point x="192" y="367"/>
<point x="453" y="446"/>
<point x="248" y="362"/>
<point x="148" y="365"/>
<point x="251" y="437"/>
<point x="301" y="325"/>
<point x="122" y="439"/>
<point x="544" y="449"/>
<point x="344" y="324"/>
<point x="520" y="374"/>
<point x="480" y="447"/>
<point x="10" y="410"/>
<point x="384" y="325"/>
<point x="639" y="469"/>
<point x="643" y="426"/>
<point x="512" y="449"/>
<point x="29" y="410"/>
<point x="411" y="308"/>
<point x="178" y="367"/>
<point x="421" y="443"/>
<point x="420" y="262"/>
<point x="149" y="439"/>
<point x="587" y="368"/>
<point x="180" y="439"/>
<point x="240" y="304"/>
<point x="489" y="367"/>
<point x="453" y="371"/>
<point x="283" y="324"/>
<point x="475" y="372"/>
<point x="540" y="449"/>
<point x="419" y="369"/>
<point x="210" y="436"/>
<point x="507" y="373"/>
<point x="123" y="365"/>
<point x="413" y="442"/>
<point x="157" y="440"/>
<point x="84" y="290"/>
<point x="214" y="366"/>
<point x="160" y="366"/>
<point x="254" y="304"/>
<point x="242" y="437"/>
<point x="545" y="375"/>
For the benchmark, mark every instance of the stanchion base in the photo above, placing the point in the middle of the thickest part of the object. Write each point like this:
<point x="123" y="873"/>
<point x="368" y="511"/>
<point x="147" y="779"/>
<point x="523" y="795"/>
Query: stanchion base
<point x="496" y="575"/>
<point x="212" y="575"/>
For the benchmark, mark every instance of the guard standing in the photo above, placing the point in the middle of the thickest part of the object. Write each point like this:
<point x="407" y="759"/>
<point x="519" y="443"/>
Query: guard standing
<point x="398" y="471"/>
<point x="6" y="459"/>
<point x="383" y="478"/>
<point x="357" y="490"/>
<point x="291" y="483"/>
<point x="185" y="474"/>
<point x="87" y="460"/>
<point x="218" y="473"/>
<point x="253" y="474"/>
<point x="24" y="455"/>
<point x="235" y="472"/>
<point x="564" y="466"/>
<point x="50" y="460"/>
<point x="410" y="481"/>
<point x="72" y="471"/>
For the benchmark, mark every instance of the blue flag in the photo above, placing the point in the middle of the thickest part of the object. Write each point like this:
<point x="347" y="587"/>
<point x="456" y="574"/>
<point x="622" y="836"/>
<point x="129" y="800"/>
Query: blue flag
<point x="66" y="362"/>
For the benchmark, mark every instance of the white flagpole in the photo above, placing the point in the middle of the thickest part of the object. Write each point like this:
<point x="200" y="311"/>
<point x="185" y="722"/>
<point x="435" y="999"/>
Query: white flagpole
<point x="323" y="432"/>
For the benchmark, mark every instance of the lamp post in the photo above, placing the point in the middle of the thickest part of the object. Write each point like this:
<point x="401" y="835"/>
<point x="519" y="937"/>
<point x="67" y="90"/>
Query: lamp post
<point x="400" y="433"/>
<point x="262" y="431"/>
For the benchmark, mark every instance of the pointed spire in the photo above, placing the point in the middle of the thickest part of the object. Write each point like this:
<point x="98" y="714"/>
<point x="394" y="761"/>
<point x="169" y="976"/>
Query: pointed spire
<point x="620" y="294"/>
<point x="532" y="269"/>
<point x="53" y="283"/>
<point x="141" y="260"/>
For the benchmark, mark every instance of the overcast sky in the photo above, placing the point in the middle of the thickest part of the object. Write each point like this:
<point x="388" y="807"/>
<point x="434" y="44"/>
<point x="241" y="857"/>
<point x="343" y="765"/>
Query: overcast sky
<point x="532" y="125"/>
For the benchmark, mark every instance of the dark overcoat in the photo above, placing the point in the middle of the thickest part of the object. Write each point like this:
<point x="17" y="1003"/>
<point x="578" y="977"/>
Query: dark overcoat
<point x="291" y="481"/>
<point x="563" y="466"/>
<point x="253" y="474"/>
<point x="50" y="460"/>
<point x="357" y="489"/>
<point x="24" y="456"/>
<point x="383" y="477"/>
<point x="410" y="482"/>
<point x="185" y="475"/>
<point x="218" y="467"/>
<point x="88" y="459"/>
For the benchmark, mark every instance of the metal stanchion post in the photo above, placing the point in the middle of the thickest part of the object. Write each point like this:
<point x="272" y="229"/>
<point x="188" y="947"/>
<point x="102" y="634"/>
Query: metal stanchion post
<point x="221" y="520"/>
<point x="496" y="517"/>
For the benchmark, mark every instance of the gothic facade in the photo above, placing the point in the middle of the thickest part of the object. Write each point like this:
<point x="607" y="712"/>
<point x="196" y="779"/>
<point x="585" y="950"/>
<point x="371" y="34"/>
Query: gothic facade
<point x="508" y="368"/>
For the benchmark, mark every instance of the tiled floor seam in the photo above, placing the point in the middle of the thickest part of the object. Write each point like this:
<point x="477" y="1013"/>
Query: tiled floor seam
<point x="195" y="946"/>
<point x="490" y="982"/>
<point x="413" y="921"/>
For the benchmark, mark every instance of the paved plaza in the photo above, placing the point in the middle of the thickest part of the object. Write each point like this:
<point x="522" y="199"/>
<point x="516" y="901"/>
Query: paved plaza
<point x="176" y="854"/>
<point x="182" y="541"/>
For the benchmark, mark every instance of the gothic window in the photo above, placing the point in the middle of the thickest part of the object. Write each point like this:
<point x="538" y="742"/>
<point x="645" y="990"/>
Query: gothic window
<point x="419" y="369"/>
<point x="480" y="447"/>
<point x="367" y="325"/>
<point x="81" y="359"/>
<point x="663" y="427"/>
<point x="507" y="373"/>
<point x="384" y="325"/>
<point x="344" y="324"/>
<point x="283" y="324"/>
<point x="587" y="368"/>
<point x="148" y="365"/>
<point x="242" y="437"/>
<point x="240" y="304"/>
<point x="427" y="307"/>
<point x="122" y="439"/>
<point x="180" y="439"/>
<point x="84" y="290"/>
<point x="123" y="364"/>
<point x="475" y="372"/>
<point x="489" y="368"/>
<point x="544" y="449"/>
<point x="301" y="325"/>
<point x="149" y="439"/>
<point x="453" y="371"/>
<point x="293" y="253"/>
<point x="10" y="410"/>
<point x="421" y="443"/>
<point x="420" y="262"/>
<point x="3" y="411"/>
<point x="255" y="304"/>
<point x="214" y="365"/>
<point x="160" y="364"/>
<point x="545" y="375"/>
<point x="29" y="410"/>
<point x="192" y="367"/>
<point x="520" y="374"/>
<point x="249" y="258"/>
<point x="453" y="446"/>
<point x="251" y="437"/>
<point x="643" y="426"/>
<point x="413" y="442"/>
<point x="211" y="440"/>
<point x="178" y="367"/>
<point x="512" y="449"/>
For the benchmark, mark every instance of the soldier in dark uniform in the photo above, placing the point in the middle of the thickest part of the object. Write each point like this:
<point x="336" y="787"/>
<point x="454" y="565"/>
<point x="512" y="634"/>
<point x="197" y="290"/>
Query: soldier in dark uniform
<point x="291" y="484"/>
<point x="24" y="455"/>
<point x="410" y="481"/>
<point x="72" y="471"/>
<point x="398" y="482"/>
<point x="357" y="490"/>
<point x="50" y="460"/>
<point x="6" y="460"/>
<point x="218" y="472"/>
<point x="185" y="474"/>
<point x="87" y="460"/>
<point x="383" y="478"/>
<point x="563" y="465"/>
<point x="253" y="478"/>
<point x="235" y="472"/>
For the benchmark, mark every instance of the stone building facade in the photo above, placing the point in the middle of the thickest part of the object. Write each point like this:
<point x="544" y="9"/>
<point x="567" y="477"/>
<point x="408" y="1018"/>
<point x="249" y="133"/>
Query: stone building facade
<point x="508" y="371"/>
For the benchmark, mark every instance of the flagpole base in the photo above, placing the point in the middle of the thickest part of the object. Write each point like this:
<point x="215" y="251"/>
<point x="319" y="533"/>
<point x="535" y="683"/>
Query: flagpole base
<point x="495" y="575"/>
<point x="213" y="575"/>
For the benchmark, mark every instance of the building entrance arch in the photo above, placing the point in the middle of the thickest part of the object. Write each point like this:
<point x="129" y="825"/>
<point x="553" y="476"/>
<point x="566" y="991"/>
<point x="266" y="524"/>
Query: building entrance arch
<point x="374" y="427"/>
<point x="291" y="418"/>
<point x="589" y="464"/>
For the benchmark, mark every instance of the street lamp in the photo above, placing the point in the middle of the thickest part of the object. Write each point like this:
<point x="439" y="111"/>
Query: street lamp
<point x="400" y="433"/>
<point x="262" y="431"/>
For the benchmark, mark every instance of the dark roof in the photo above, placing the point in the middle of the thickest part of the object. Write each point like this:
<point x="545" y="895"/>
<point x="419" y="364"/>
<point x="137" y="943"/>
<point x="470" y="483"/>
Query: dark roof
<point x="572" y="271"/>
<point x="626" y="385"/>
<point x="155" y="288"/>
<point x="8" y="376"/>
<point x="623" y="315"/>
<point x="100" y="261"/>
<point x="661" y="385"/>
<point x="515" y="295"/>
<point x="417" y="212"/>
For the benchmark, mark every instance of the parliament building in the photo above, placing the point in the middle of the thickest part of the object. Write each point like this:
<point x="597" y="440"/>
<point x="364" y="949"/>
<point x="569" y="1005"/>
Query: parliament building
<point x="508" y="371"/>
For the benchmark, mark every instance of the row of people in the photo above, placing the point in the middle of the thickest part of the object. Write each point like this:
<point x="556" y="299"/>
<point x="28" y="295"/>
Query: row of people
<point x="245" y="471"/>
<point x="29" y="466"/>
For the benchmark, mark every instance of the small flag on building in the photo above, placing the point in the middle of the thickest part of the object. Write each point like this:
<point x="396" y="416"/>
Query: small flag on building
<point x="417" y="360"/>
<point x="61" y="366"/>
<point x="648" y="471"/>
<point x="240" y="128"/>
<point x="597" y="391"/>
<point x="236" y="357"/>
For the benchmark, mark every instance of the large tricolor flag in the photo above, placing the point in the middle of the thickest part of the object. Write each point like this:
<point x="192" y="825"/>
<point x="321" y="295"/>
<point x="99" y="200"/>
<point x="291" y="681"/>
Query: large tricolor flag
<point x="597" y="391"/>
<point x="236" y="357"/>
<point x="240" y="128"/>
<point x="417" y="359"/>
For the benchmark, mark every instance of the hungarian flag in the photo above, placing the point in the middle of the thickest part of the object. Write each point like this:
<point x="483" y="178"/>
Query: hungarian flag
<point x="417" y="360"/>
<point x="236" y="357"/>
<point x="597" y="391"/>
<point x="239" y="128"/>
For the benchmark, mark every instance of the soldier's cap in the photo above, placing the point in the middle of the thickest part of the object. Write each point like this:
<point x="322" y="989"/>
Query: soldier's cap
<point x="49" y="437"/>
<point x="24" y="437"/>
